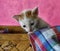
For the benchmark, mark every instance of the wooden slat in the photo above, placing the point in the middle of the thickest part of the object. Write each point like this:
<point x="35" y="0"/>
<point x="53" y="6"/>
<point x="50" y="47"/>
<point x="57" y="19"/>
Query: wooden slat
<point x="13" y="37"/>
<point x="13" y="29"/>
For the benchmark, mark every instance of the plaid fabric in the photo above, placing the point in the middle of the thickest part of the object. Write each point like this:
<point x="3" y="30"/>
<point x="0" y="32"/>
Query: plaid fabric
<point x="42" y="40"/>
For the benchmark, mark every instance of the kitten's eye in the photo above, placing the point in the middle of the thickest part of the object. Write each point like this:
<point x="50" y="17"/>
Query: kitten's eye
<point x="24" y="25"/>
<point x="32" y="23"/>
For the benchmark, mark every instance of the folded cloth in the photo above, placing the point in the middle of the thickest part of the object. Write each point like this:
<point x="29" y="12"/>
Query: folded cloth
<point x="41" y="40"/>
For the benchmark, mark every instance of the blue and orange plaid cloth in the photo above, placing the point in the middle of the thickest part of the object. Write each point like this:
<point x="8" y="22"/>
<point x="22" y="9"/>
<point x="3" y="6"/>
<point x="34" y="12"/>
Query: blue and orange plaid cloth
<point x="41" y="40"/>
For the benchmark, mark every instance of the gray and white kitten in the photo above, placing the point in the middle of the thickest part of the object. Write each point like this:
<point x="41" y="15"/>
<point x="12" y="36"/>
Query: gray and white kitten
<point x="29" y="20"/>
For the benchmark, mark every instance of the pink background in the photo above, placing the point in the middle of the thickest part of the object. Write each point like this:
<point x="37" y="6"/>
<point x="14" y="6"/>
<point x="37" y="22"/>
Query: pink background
<point x="49" y="10"/>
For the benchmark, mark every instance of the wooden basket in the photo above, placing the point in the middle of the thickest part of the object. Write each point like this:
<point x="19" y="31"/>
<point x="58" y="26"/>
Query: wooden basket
<point x="15" y="40"/>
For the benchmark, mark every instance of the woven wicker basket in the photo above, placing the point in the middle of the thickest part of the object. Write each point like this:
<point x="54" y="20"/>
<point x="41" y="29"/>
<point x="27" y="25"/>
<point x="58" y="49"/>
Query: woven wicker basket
<point x="15" y="40"/>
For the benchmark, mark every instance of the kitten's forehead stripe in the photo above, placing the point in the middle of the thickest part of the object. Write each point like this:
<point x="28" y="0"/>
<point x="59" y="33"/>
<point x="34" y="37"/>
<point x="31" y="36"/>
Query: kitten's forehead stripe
<point x="28" y="14"/>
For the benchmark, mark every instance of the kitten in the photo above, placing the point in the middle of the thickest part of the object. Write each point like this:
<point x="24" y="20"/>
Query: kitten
<point x="29" y="21"/>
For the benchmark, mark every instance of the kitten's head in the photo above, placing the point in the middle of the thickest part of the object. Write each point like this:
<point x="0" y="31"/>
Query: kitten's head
<point x="28" y="19"/>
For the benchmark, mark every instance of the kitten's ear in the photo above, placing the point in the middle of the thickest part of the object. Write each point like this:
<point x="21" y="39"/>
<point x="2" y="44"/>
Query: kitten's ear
<point x="16" y="17"/>
<point x="35" y="11"/>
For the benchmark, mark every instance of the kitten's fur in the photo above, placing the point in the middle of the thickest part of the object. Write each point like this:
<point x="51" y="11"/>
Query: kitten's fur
<point x="29" y="20"/>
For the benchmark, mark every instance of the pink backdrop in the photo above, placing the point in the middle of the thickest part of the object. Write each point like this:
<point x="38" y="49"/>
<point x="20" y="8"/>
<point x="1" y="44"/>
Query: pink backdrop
<point x="49" y="10"/>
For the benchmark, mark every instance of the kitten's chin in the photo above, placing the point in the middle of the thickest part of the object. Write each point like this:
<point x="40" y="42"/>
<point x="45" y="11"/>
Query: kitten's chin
<point x="30" y="32"/>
